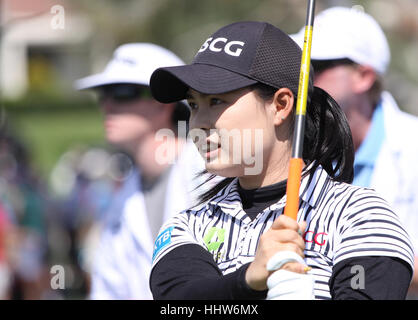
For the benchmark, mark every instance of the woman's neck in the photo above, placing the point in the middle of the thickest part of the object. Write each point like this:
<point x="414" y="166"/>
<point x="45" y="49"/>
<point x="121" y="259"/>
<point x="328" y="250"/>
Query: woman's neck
<point x="276" y="169"/>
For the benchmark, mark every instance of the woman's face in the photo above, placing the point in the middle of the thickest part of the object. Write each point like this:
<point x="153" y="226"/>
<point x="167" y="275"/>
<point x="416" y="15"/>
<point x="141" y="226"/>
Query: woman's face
<point x="233" y="131"/>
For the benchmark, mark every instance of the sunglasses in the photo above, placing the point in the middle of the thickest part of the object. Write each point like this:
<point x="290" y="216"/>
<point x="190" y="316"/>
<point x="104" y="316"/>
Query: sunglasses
<point x="322" y="65"/>
<point x="122" y="93"/>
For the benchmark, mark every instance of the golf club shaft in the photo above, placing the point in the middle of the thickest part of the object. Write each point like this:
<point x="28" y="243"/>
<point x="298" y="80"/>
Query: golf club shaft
<point x="296" y="161"/>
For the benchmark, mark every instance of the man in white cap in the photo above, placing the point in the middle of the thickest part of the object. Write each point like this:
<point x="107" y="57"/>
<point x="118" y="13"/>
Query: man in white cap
<point x="167" y="166"/>
<point x="350" y="55"/>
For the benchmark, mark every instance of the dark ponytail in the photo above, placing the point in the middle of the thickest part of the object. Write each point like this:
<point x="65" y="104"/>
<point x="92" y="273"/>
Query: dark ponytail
<point x="328" y="141"/>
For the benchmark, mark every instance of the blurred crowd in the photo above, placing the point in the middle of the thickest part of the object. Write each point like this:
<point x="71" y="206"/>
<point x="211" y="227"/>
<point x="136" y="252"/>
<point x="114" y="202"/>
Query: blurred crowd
<point x="53" y="223"/>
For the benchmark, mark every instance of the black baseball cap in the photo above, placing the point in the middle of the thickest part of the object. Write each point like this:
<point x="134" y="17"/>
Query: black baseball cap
<point x="236" y="56"/>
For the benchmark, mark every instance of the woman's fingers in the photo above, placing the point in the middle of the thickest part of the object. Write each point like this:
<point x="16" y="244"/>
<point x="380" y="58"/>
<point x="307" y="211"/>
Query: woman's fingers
<point x="285" y="237"/>
<point x="296" y="267"/>
<point x="284" y="222"/>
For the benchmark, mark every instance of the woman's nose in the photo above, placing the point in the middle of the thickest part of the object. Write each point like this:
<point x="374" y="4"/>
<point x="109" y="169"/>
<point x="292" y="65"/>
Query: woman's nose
<point x="200" y="119"/>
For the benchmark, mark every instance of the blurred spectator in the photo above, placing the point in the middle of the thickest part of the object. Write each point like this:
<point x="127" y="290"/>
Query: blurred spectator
<point x="23" y="229"/>
<point x="5" y="268"/>
<point x="350" y="55"/>
<point x="162" y="185"/>
<point x="83" y="182"/>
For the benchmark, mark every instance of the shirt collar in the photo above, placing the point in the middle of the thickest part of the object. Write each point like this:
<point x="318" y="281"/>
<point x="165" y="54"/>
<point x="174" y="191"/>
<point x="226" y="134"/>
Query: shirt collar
<point x="228" y="200"/>
<point x="311" y="189"/>
<point x="369" y="149"/>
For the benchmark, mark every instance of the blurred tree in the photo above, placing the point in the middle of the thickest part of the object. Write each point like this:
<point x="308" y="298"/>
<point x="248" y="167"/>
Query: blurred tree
<point x="181" y="25"/>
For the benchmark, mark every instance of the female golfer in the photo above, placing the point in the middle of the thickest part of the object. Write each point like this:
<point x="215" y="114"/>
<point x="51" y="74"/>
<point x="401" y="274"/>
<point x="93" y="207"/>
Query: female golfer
<point x="348" y="243"/>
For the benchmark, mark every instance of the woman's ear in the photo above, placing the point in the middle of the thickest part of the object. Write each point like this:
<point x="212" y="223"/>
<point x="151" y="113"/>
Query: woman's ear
<point x="283" y="102"/>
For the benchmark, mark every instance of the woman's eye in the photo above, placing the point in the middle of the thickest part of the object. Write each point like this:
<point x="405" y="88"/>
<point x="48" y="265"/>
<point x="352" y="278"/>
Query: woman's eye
<point x="215" y="101"/>
<point x="192" y="105"/>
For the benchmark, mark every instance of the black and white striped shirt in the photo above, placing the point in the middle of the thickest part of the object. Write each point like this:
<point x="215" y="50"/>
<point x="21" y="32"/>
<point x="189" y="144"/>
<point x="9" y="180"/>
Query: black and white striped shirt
<point x="344" y="221"/>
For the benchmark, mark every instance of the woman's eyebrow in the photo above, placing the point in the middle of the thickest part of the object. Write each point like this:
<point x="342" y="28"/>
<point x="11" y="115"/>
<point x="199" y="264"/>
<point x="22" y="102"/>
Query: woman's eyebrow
<point x="194" y="95"/>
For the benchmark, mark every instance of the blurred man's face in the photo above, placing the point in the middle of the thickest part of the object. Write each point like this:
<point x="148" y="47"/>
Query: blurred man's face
<point x="338" y="79"/>
<point x="130" y="113"/>
<point x="350" y="84"/>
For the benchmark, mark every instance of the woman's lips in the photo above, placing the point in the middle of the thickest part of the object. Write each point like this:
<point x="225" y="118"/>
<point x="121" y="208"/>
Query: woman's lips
<point x="212" y="154"/>
<point x="210" y="150"/>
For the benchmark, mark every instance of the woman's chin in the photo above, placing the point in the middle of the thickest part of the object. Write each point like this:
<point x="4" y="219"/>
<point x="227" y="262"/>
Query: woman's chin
<point x="224" y="169"/>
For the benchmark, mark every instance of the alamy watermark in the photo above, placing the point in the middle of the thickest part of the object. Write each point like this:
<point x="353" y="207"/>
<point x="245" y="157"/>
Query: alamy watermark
<point x="358" y="280"/>
<point x="57" y="277"/>
<point x="58" y="19"/>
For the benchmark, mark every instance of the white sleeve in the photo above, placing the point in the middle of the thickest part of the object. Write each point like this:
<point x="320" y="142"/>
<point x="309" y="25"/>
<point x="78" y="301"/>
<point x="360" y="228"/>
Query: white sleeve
<point x="107" y="280"/>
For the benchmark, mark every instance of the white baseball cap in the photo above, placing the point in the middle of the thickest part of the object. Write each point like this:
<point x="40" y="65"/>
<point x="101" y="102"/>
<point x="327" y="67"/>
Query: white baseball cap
<point x="131" y="63"/>
<point x="341" y="32"/>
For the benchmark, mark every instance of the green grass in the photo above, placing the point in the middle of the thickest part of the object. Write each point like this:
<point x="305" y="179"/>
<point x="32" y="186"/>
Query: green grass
<point x="47" y="134"/>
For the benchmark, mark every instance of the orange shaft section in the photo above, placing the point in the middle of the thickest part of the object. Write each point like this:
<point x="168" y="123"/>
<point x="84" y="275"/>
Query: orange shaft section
<point x="293" y="185"/>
